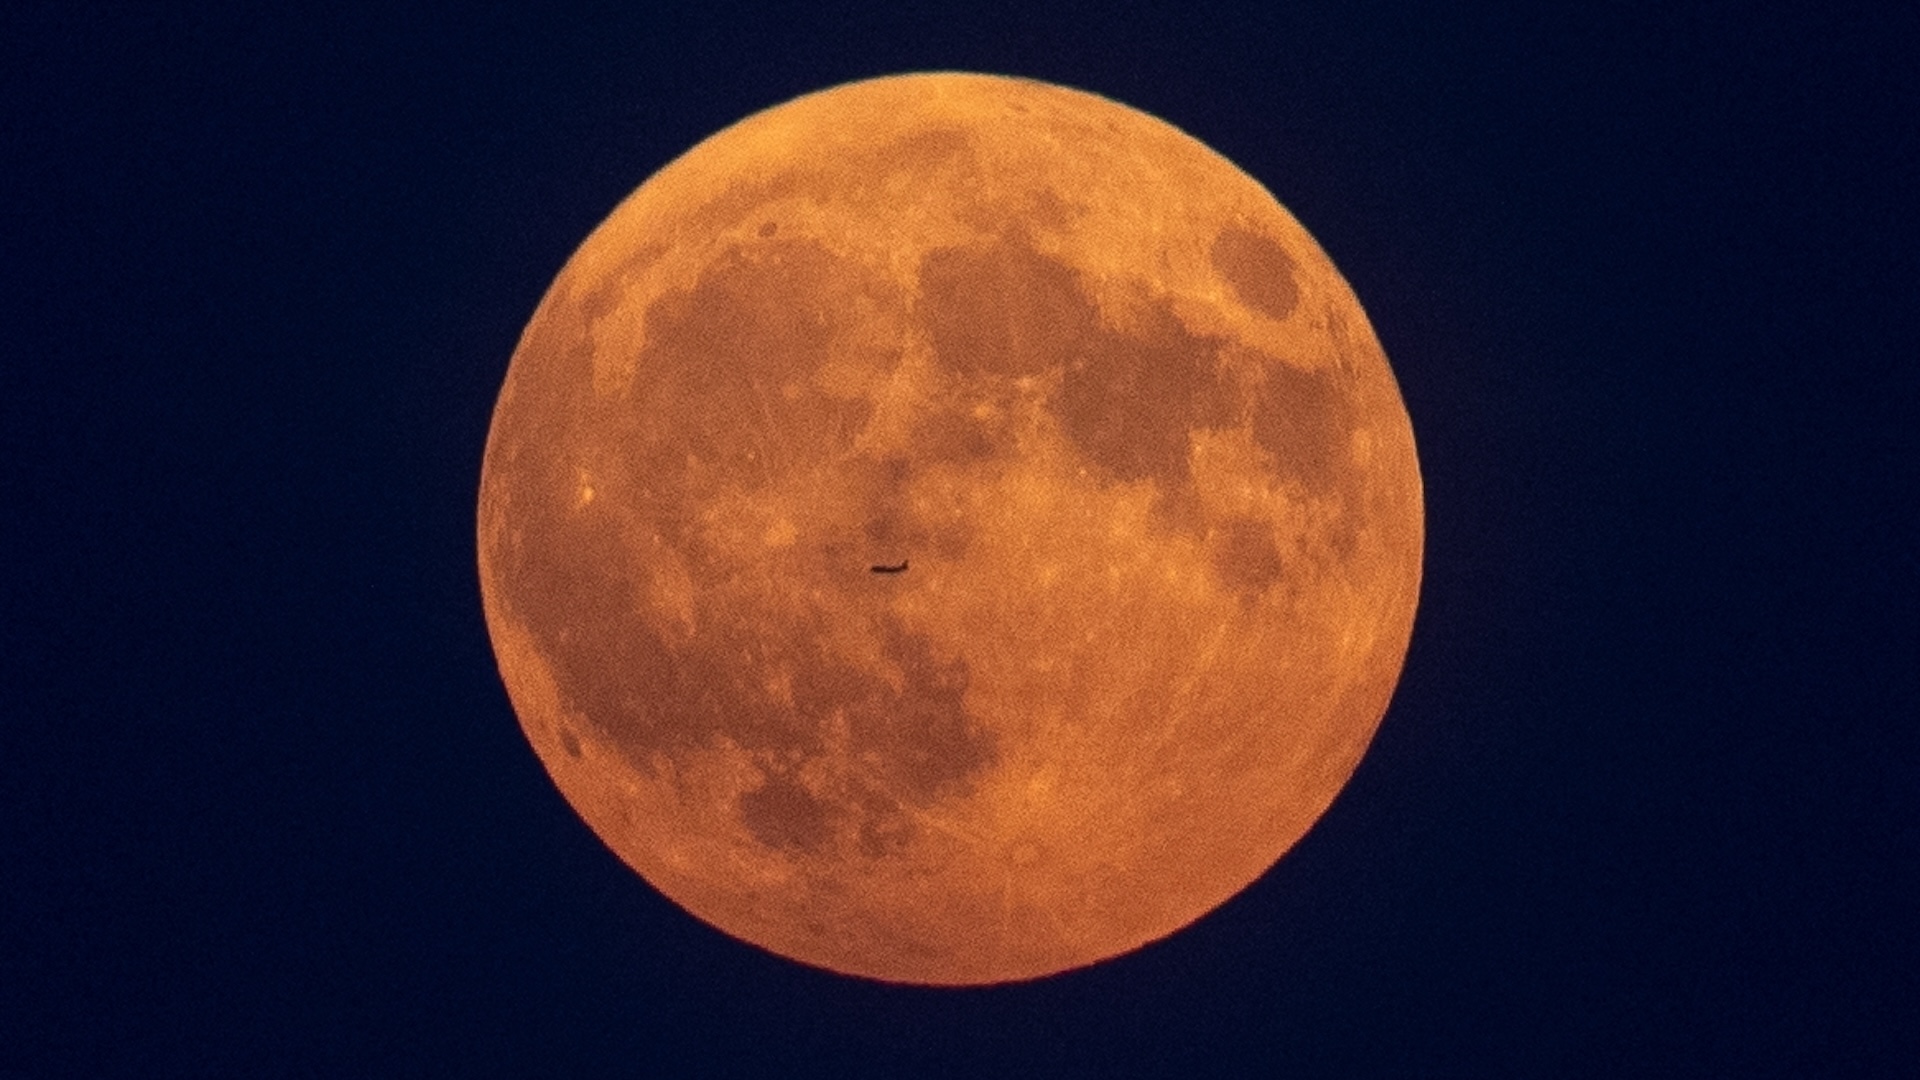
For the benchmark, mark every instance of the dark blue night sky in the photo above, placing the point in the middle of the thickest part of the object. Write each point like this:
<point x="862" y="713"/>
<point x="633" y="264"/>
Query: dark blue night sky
<point x="1645" y="803"/>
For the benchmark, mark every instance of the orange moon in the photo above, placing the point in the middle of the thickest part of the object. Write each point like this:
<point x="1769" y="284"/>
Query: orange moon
<point x="950" y="529"/>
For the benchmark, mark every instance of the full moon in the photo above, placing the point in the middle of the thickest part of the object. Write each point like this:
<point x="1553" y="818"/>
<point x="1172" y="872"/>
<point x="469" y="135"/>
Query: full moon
<point x="950" y="529"/>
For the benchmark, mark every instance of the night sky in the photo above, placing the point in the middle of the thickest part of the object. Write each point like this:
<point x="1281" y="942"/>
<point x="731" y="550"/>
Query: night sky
<point x="1644" y="803"/>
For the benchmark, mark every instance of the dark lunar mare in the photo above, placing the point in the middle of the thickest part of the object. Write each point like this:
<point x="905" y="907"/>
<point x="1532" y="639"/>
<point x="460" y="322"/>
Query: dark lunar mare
<point x="724" y="402"/>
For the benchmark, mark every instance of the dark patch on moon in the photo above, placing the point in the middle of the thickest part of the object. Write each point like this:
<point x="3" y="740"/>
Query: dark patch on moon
<point x="910" y="736"/>
<point x="1305" y="419"/>
<point x="604" y="293"/>
<point x="1002" y="309"/>
<point x="891" y="525"/>
<point x="1131" y="401"/>
<point x="885" y="829"/>
<point x="948" y="433"/>
<point x="723" y="403"/>
<point x="574" y="587"/>
<point x="1259" y="270"/>
<point x="727" y="364"/>
<point x="888" y="522"/>
<point x="569" y="743"/>
<point x="926" y="151"/>
<point x="782" y="814"/>
<point x="1245" y="559"/>
<point x="1127" y="401"/>
<point x="924" y="741"/>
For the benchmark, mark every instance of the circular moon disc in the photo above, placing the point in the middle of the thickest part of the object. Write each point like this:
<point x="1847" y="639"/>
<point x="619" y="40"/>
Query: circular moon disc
<point x="950" y="529"/>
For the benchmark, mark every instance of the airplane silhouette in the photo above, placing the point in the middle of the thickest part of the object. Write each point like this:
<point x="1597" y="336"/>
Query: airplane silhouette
<point x="889" y="569"/>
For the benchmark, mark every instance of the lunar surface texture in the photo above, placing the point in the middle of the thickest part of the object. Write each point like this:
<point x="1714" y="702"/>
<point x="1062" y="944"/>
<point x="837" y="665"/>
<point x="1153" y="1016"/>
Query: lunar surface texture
<point x="950" y="529"/>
